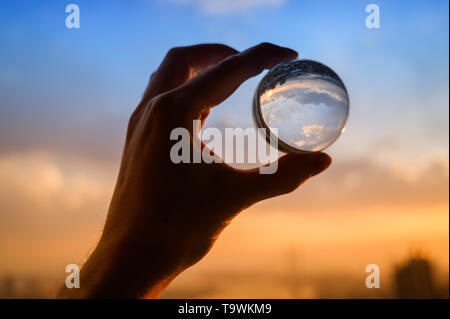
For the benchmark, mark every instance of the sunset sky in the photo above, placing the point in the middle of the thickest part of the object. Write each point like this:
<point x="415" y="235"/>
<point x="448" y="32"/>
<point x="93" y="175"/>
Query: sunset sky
<point x="66" y="95"/>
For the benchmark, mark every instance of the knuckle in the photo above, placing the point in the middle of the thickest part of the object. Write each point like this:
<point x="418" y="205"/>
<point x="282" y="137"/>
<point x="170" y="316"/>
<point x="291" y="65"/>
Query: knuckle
<point x="161" y="102"/>
<point x="183" y="97"/>
<point x="134" y="117"/>
<point x="265" y="45"/>
<point x="175" y="53"/>
<point x="164" y="104"/>
<point x="132" y="120"/>
<point x="230" y="60"/>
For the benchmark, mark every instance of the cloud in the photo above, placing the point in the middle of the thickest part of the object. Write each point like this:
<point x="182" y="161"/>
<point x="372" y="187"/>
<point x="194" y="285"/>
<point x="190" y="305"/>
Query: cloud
<point x="312" y="129"/>
<point x="220" y="7"/>
<point x="43" y="191"/>
<point x="317" y="98"/>
<point x="55" y="194"/>
<point x="309" y="114"/>
<point x="53" y="207"/>
<point x="360" y="184"/>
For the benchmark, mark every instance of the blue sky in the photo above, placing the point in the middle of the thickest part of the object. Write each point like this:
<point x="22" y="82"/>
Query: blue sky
<point x="55" y="82"/>
<point x="72" y="90"/>
<point x="66" y="96"/>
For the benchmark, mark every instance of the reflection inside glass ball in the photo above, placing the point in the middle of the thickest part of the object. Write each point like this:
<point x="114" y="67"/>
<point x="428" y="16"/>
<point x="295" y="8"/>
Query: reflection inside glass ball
<point x="306" y="101"/>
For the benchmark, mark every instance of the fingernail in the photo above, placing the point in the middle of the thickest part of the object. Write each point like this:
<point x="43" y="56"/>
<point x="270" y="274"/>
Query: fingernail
<point x="292" y="52"/>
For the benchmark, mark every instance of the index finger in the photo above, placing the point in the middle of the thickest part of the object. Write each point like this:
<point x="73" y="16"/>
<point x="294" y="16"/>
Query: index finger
<point x="213" y="86"/>
<point x="182" y="63"/>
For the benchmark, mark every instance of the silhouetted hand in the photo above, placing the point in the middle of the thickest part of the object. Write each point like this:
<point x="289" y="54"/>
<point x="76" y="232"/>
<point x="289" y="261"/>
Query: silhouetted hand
<point x="164" y="217"/>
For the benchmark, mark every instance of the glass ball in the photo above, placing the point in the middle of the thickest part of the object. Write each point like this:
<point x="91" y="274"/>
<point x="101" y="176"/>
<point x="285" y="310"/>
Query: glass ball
<point x="306" y="102"/>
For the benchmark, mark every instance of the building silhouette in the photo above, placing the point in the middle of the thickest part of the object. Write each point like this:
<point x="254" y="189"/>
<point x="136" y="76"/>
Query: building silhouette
<point x="414" y="279"/>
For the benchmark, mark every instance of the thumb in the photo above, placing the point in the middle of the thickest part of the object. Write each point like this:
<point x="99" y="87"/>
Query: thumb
<point x="293" y="170"/>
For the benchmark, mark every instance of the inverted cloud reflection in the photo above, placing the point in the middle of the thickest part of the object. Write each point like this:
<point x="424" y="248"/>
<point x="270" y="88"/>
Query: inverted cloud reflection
<point x="307" y="113"/>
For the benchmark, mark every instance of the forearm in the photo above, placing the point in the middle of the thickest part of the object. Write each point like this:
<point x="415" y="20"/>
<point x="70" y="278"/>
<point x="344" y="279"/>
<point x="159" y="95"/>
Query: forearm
<point x="118" y="270"/>
<point x="164" y="217"/>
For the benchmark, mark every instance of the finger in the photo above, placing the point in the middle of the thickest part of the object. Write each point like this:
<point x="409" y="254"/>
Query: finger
<point x="292" y="171"/>
<point x="218" y="82"/>
<point x="182" y="63"/>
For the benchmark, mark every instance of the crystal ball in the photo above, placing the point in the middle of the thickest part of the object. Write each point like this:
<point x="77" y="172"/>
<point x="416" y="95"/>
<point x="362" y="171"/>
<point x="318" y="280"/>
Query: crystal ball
<point x="303" y="104"/>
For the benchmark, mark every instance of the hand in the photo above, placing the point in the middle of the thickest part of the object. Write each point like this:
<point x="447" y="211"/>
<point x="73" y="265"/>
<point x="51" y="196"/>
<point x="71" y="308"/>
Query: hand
<point x="164" y="217"/>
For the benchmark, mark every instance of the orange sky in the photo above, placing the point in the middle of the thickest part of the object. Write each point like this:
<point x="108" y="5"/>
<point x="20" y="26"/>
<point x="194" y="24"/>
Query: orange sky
<point x="354" y="214"/>
<point x="66" y="96"/>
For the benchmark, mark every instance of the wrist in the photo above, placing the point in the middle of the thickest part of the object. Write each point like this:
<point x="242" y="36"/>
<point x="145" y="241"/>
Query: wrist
<point x="124" y="268"/>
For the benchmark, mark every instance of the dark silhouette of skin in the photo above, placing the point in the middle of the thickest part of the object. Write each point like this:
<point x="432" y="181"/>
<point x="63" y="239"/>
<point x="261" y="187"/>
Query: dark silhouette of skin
<point x="165" y="217"/>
